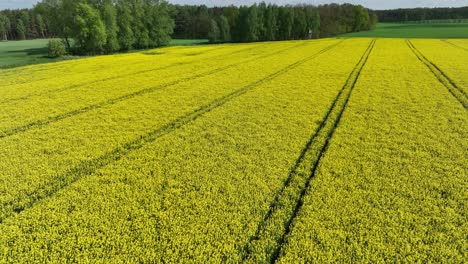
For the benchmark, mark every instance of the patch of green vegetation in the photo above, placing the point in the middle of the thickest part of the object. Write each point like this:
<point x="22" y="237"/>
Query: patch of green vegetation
<point x="429" y="30"/>
<point x="152" y="52"/>
<point x="187" y="42"/>
<point x="25" y="52"/>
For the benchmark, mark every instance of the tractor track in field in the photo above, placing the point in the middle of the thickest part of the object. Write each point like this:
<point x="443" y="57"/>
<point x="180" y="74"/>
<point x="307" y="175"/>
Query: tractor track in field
<point x="446" y="41"/>
<point x="252" y="47"/>
<point x="22" y="98"/>
<point x="269" y="239"/>
<point x="44" y="122"/>
<point x="89" y="167"/>
<point x="443" y="78"/>
<point x="91" y="82"/>
<point x="53" y="67"/>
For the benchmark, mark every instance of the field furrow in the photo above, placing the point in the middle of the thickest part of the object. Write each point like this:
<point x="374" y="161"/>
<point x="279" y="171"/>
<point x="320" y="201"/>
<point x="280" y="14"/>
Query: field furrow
<point x="50" y="109"/>
<point x="454" y="45"/>
<point x="23" y="185"/>
<point x="460" y="42"/>
<point x="450" y="60"/>
<point x="454" y="89"/>
<point x="230" y="162"/>
<point x="88" y="67"/>
<point x="264" y="247"/>
<point x="387" y="190"/>
<point x="134" y="70"/>
<point x="42" y="92"/>
<point x="133" y="64"/>
<point x="339" y="150"/>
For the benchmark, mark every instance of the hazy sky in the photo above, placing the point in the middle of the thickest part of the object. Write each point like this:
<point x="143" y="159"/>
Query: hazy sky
<point x="374" y="4"/>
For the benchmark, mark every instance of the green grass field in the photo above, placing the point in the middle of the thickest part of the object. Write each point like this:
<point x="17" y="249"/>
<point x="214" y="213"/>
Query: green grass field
<point x="26" y="52"/>
<point x="187" y="42"/>
<point x="432" y="30"/>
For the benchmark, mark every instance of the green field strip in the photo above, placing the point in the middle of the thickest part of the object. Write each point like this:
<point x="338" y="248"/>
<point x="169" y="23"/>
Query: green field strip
<point x="59" y="84"/>
<point x="88" y="167"/>
<point x="453" y="88"/>
<point x="43" y="122"/>
<point x="413" y="31"/>
<point x="453" y="44"/>
<point x="391" y="187"/>
<point x="213" y="172"/>
<point x="119" y="76"/>
<point x="265" y="246"/>
<point x="29" y="74"/>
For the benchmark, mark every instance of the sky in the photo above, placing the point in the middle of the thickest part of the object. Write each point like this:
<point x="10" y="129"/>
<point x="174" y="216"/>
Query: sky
<point x="373" y="4"/>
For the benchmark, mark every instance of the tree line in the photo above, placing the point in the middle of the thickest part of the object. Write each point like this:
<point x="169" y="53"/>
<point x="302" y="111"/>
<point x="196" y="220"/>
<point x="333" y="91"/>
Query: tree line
<point x="262" y="22"/>
<point x="107" y="26"/>
<point x="422" y="14"/>
<point x="92" y="26"/>
<point x="22" y="24"/>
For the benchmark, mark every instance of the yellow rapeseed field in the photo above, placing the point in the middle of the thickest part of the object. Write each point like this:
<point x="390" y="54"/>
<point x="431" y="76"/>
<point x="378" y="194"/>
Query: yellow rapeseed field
<point x="333" y="150"/>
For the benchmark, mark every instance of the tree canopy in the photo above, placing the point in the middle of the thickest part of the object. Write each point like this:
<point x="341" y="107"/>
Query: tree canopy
<point x="107" y="26"/>
<point x="92" y="26"/>
<point x="262" y="22"/>
<point x="421" y="14"/>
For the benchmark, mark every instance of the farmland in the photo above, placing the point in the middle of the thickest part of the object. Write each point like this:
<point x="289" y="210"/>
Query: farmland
<point x="26" y="52"/>
<point x="431" y="29"/>
<point x="331" y="150"/>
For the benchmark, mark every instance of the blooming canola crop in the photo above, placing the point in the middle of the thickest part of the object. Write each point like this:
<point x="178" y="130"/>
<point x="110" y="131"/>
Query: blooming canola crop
<point x="323" y="150"/>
